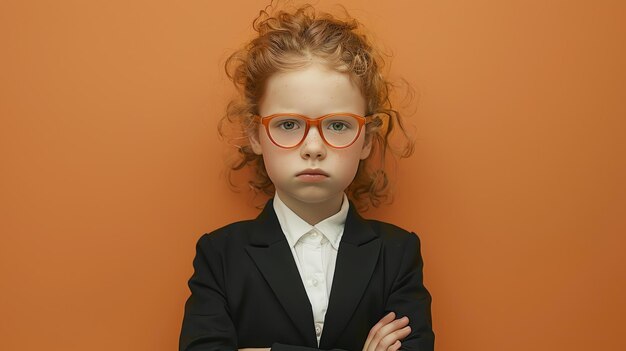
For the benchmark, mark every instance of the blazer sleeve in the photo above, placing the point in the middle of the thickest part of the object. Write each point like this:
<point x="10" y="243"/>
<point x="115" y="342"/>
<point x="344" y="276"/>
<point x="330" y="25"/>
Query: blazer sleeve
<point x="207" y="324"/>
<point x="410" y="298"/>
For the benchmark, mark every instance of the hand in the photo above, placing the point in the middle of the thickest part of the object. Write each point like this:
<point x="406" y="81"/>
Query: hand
<point x="387" y="333"/>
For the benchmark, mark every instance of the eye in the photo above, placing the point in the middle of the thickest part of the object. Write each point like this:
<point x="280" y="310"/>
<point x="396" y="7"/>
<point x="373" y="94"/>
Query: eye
<point x="338" y="126"/>
<point x="288" y="125"/>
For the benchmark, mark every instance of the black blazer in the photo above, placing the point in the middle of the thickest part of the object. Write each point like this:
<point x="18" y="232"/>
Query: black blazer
<point x="246" y="290"/>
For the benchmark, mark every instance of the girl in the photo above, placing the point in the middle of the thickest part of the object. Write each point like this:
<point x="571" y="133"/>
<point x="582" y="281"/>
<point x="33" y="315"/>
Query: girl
<point x="309" y="272"/>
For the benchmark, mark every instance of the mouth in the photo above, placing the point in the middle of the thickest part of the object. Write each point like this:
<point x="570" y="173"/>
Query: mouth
<point x="312" y="172"/>
<point x="312" y="175"/>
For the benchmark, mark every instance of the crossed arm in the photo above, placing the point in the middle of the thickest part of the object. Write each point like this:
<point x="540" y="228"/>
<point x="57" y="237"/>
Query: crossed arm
<point x="384" y="335"/>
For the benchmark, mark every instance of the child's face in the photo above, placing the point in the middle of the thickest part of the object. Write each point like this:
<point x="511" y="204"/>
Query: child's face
<point x="312" y="91"/>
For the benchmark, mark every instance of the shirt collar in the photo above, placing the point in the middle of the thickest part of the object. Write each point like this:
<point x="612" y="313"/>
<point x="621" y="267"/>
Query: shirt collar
<point x="295" y="227"/>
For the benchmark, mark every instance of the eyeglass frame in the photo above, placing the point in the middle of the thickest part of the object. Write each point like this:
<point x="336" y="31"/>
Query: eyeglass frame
<point x="361" y="120"/>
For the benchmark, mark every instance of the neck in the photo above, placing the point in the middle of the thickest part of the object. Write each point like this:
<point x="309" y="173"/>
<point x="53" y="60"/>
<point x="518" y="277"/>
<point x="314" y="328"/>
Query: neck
<point x="313" y="213"/>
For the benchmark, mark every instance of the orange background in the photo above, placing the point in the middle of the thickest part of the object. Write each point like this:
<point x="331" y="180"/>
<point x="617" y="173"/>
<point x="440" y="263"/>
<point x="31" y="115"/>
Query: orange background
<point x="111" y="168"/>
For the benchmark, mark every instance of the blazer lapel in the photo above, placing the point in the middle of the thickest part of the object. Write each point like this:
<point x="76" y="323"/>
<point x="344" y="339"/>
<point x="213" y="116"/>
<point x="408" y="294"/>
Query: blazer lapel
<point x="270" y="252"/>
<point x="356" y="259"/>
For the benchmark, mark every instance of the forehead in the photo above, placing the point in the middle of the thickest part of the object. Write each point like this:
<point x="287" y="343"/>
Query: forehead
<point x="314" y="90"/>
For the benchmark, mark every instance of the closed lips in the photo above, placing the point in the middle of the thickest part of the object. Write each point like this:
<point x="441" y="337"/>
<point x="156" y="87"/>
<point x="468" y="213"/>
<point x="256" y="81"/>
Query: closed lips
<point x="313" y="172"/>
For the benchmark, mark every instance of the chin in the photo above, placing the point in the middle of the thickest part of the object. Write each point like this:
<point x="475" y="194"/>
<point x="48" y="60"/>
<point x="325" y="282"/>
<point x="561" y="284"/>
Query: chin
<point x="313" y="196"/>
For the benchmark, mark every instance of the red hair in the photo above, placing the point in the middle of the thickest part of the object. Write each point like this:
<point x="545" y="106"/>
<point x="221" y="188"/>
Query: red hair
<point x="287" y="40"/>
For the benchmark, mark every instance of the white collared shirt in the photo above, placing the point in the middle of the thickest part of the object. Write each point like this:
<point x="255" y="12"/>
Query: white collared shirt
<point x="314" y="249"/>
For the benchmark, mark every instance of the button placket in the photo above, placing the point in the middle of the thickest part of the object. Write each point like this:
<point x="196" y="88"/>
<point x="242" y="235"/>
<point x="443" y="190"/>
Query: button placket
<point x="315" y="279"/>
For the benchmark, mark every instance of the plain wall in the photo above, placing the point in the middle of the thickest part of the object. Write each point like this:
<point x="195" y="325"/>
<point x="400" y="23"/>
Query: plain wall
<point x="111" y="168"/>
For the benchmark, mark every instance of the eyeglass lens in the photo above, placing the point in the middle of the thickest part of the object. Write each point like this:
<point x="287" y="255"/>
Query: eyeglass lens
<point x="338" y="130"/>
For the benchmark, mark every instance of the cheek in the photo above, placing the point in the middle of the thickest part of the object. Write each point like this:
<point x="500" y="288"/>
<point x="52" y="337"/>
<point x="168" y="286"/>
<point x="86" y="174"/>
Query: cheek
<point x="352" y="155"/>
<point x="348" y="162"/>
<point x="273" y="159"/>
<point x="350" y="159"/>
<point x="269" y="149"/>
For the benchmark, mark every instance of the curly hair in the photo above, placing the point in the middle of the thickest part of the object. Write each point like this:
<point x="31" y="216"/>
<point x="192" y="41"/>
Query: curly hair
<point x="288" y="40"/>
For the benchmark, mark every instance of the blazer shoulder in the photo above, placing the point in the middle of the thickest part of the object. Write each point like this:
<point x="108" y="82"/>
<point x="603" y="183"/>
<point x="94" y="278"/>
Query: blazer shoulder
<point x="392" y="233"/>
<point x="227" y="235"/>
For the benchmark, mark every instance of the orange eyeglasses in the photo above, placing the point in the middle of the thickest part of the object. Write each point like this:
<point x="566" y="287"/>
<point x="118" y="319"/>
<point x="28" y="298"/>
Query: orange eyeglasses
<point x="338" y="130"/>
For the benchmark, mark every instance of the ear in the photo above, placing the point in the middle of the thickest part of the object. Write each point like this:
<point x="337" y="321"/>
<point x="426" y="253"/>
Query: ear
<point x="371" y="129"/>
<point x="253" y="137"/>
<point x="367" y="147"/>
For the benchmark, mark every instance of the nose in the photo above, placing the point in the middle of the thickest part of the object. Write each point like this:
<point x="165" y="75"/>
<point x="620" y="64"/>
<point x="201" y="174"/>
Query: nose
<point x="313" y="146"/>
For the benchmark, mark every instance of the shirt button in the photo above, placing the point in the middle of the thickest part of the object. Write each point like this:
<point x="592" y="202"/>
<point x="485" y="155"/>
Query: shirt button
<point x="318" y="329"/>
<point x="314" y="282"/>
<point x="314" y="234"/>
